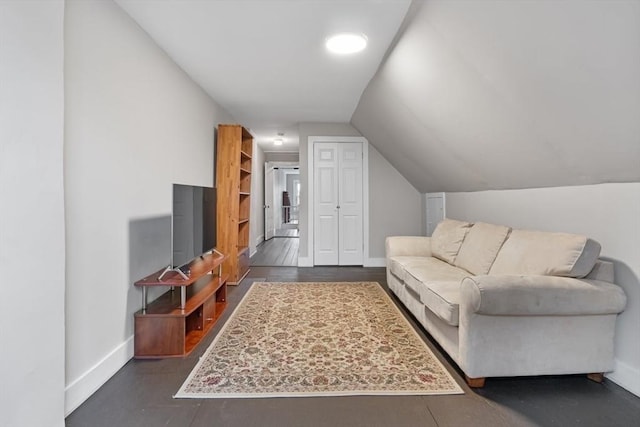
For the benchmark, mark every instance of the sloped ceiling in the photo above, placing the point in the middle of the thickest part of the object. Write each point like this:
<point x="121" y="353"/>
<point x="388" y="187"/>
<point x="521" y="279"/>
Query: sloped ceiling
<point x="265" y="62"/>
<point x="485" y="94"/>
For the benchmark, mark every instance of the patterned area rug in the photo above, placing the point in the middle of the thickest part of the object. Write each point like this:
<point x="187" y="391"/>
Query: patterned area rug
<point x="317" y="339"/>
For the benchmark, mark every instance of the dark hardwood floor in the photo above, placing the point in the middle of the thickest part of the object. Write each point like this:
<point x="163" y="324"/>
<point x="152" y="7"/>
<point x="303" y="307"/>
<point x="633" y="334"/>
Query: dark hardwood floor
<point x="287" y="232"/>
<point x="277" y="252"/>
<point x="140" y="394"/>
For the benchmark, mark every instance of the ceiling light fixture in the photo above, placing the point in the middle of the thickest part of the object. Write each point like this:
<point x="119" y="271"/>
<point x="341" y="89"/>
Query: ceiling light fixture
<point x="279" y="140"/>
<point x="346" y="43"/>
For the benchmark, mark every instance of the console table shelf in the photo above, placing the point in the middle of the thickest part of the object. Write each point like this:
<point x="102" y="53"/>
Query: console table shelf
<point x="173" y="324"/>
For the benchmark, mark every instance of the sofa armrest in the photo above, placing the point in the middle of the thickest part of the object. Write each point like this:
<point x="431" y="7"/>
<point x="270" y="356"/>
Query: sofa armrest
<point x="540" y="296"/>
<point x="407" y="246"/>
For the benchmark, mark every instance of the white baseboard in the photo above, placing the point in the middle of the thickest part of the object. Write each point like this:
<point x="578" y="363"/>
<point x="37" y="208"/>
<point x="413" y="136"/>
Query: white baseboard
<point x="84" y="386"/>
<point x="305" y="262"/>
<point x="368" y="262"/>
<point x="626" y="377"/>
<point x="259" y="239"/>
<point x="375" y="262"/>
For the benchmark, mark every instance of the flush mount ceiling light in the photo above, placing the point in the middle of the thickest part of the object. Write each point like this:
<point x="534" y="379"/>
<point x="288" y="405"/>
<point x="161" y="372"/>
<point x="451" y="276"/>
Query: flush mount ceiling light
<point x="279" y="140"/>
<point x="346" y="43"/>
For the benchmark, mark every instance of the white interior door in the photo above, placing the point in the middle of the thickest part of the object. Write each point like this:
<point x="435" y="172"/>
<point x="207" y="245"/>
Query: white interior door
<point x="325" y="178"/>
<point x="338" y="204"/>
<point x="280" y="178"/>
<point x="435" y="211"/>
<point x="350" y="204"/>
<point x="269" y="226"/>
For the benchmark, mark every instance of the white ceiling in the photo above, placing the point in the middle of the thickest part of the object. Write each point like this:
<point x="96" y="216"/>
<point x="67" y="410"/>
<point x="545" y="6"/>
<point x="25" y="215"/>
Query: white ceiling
<point x="265" y="61"/>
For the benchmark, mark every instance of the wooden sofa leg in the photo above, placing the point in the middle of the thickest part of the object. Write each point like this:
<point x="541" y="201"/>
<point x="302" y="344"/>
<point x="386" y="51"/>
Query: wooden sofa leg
<point x="597" y="377"/>
<point x="475" y="382"/>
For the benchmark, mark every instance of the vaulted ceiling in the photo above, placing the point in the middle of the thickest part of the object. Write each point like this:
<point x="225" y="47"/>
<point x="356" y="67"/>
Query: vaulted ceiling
<point x="462" y="95"/>
<point x="510" y="94"/>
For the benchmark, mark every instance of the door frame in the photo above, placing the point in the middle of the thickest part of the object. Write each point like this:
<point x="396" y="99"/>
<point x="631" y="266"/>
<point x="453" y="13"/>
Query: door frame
<point x="269" y="231"/>
<point x="274" y="165"/>
<point x="309" y="260"/>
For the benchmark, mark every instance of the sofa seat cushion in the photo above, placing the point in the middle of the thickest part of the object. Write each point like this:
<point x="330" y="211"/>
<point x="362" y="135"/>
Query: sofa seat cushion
<point x="438" y="285"/>
<point x="442" y="298"/>
<point x="480" y="247"/>
<point x="547" y="254"/>
<point x="447" y="239"/>
<point x="431" y="269"/>
<point x="398" y="265"/>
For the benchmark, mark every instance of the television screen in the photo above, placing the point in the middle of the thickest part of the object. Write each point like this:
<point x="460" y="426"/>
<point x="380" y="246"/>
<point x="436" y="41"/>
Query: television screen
<point x="193" y="223"/>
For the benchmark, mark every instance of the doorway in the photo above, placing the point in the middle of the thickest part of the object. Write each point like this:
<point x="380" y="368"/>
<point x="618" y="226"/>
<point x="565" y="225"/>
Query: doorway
<point x="281" y="216"/>
<point x="287" y="186"/>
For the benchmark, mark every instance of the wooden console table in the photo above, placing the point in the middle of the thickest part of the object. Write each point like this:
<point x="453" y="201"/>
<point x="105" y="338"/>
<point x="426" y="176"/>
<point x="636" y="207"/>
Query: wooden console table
<point x="173" y="324"/>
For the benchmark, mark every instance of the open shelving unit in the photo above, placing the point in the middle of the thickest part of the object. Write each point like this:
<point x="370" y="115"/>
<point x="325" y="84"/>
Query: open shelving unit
<point x="174" y="323"/>
<point x="233" y="182"/>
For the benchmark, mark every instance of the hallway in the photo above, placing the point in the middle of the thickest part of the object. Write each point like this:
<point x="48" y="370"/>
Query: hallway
<point x="277" y="252"/>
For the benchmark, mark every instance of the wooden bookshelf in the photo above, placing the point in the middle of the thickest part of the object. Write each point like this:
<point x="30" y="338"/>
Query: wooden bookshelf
<point x="174" y="324"/>
<point x="233" y="182"/>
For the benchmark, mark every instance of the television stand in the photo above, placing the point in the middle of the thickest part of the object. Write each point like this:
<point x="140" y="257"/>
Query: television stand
<point x="171" y="326"/>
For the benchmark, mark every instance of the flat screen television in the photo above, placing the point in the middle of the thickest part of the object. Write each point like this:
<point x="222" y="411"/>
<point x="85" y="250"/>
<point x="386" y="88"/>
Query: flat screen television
<point x="193" y="223"/>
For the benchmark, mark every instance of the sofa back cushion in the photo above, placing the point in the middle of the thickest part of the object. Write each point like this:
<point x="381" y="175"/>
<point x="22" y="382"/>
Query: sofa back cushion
<point x="480" y="247"/>
<point x="548" y="254"/>
<point x="447" y="238"/>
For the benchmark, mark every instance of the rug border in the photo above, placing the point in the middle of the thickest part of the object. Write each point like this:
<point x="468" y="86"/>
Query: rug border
<point x="182" y="395"/>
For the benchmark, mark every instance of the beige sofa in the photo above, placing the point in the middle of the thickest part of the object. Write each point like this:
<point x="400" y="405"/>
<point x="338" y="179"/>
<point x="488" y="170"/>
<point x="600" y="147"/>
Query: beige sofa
<point x="508" y="302"/>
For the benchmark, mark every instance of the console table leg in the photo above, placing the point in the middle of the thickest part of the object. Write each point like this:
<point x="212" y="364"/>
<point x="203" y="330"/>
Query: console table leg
<point x="183" y="297"/>
<point x="144" y="299"/>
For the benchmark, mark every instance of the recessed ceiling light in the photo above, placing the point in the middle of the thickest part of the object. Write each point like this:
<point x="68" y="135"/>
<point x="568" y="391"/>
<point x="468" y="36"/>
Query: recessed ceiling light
<point x="277" y="141"/>
<point x="345" y="43"/>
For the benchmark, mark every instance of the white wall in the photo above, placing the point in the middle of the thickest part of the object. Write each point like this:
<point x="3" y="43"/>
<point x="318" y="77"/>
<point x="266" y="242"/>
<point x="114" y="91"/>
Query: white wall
<point x="280" y="156"/>
<point x="135" y="123"/>
<point x="32" y="216"/>
<point x="395" y="206"/>
<point x="256" y="234"/>
<point x="387" y="191"/>
<point x="608" y="213"/>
